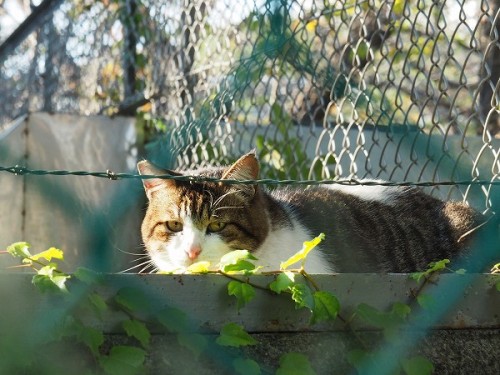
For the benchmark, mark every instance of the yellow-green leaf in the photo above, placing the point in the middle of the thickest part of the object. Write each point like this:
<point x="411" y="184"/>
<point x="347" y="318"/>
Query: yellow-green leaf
<point x="19" y="249"/>
<point x="49" y="254"/>
<point x="398" y="7"/>
<point x="302" y="254"/>
<point x="199" y="267"/>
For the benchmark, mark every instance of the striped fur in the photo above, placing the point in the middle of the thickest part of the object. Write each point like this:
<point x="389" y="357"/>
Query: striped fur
<point x="368" y="229"/>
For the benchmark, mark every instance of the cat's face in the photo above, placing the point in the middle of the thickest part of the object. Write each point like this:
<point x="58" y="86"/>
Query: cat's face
<point x="188" y="222"/>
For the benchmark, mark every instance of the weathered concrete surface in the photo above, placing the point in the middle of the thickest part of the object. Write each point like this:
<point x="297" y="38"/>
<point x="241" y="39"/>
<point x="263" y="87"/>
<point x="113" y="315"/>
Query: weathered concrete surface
<point x="464" y="340"/>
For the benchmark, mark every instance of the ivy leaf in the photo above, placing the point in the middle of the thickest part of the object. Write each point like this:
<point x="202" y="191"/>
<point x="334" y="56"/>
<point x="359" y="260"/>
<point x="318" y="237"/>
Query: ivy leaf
<point x="194" y="342"/>
<point x="126" y="360"/>
<point x="138" y="330"/>
<point x="87" y="275"/>
<point x="417" y="366"/>
<point x="373" y="316"/>
<point x="237" y="261"/>
<point x="302" y="296"/>
<point x="49" y="254"/>
<point x="91" y="337"/>
<point x="438" y="266"/>
<point x="326" y="307"/>
<point x="173" y="319"/>
<point x="426" y="301"/>
<point x="284" y="281"/>
<point x="132" y="299"/>
<point x="295" y="364"/>
<point x="199" y="267"/>
<point x="19" y="250"/>
<point x="243" y="292"/>
<point x="48" y="283"/>
<point x="401" y="310"/>
<point x="234" y="335"/>
<point x="302" y="254"/>
<point x="246" y="366"/>
<point x="98" y="303"/>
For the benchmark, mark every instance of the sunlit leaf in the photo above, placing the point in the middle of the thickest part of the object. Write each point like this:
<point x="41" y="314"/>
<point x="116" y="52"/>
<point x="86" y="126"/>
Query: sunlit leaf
<point x="138" y="330"/>
<point x="302" y="296"/>
<point x="295" y="364"/>
<point x="398" y="7"/>
<point x="243" y="292"/>
<point x="302" y="254"/>
<point x="311" y="25"/>
<point x="49" y="254"/>
<point x="417" y="365"/>
<point x="199" y="267"/>
<point x="326" y="307"/>
<point x="234" y="335"/>
<point x="245" y="366"/>
<point x="283" y="282"/>
<point x="19" y="250"/>
<point x="237" y="261"/>
<point x="194" y="342"/>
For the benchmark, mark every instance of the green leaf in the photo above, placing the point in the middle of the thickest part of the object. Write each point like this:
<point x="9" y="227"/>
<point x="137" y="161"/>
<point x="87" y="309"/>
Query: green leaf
<point x="138" y="330"/>
<point x="237" y="261"/>
<point x="19" y="250"/>
<point x="49" y="254"/>
<point x="426" y="301"/>
<point x="234" y="335"/>
<point x="243" y="292"/>
<point x="326" y="307"/>
<point x="87" y="275"/>
<point x="461" y="271"/>
<point x="98" y="303"/>
<point x="398" y="7"/>
<point x="132" y="299"/>
<point x="417" y="366"/>
<point x="194" y="342"/>
<point x="302" y="296"/>
<point x="358" y="358"/>
<point x="283" y="281"/>
<point x="123" y="360"/>
<point x="401" y="310"/>
<point x="173" y="319"/>
<point x="373" y="316"/>
<point x="245" y="366"/>
<point x="91" y="337"/>
<point x="302" y="254"/>
<point x="437" y="266"/>
<point x="49" y="283"/>
<point x="295" y="364"/>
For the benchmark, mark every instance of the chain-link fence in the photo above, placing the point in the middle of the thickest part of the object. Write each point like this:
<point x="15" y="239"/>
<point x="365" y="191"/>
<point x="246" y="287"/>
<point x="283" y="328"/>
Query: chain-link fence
<point x="398" y="90"/>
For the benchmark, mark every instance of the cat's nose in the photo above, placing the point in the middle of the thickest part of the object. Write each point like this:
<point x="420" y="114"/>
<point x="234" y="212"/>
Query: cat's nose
<point x="194" y="251"/>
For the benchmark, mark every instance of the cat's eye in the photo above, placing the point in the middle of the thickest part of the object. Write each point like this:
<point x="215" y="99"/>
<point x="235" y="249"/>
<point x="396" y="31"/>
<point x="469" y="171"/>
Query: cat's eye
<point x="215" y="226"/>
<point x="174" y="226"/>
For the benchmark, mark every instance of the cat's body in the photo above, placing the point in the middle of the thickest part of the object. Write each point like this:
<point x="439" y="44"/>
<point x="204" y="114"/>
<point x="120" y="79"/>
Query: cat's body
<point x="367" y="228"/>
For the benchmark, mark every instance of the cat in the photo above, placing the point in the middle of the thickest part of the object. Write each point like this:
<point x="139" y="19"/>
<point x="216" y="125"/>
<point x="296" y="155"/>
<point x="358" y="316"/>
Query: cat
<point x="368" y="228"/>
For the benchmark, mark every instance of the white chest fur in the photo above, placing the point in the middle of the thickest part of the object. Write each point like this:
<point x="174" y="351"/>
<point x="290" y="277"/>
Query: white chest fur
<point x="282" y="243"/>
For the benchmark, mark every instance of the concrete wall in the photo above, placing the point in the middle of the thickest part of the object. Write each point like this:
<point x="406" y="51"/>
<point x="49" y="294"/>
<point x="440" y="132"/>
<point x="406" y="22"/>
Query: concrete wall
<point x="84" y="216"/>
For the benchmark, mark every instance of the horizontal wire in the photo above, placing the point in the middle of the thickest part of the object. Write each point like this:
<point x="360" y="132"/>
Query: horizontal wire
<point x="21" y="171"/>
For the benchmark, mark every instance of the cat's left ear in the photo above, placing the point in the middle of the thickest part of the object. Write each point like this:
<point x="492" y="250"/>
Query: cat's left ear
<point x="153" y="184"/>
<point x="245" y="168"/>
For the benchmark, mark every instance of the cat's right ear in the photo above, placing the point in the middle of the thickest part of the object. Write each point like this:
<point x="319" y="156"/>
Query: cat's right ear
<point x="153" y="184"/>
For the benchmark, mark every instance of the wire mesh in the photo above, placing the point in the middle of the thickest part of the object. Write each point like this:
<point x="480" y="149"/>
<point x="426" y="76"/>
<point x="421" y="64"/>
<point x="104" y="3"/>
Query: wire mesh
<point x="401" y="91"/>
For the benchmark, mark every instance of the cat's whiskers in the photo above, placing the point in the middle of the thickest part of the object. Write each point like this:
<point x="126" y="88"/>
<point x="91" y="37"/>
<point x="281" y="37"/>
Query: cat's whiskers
<point x="148" y="263"/>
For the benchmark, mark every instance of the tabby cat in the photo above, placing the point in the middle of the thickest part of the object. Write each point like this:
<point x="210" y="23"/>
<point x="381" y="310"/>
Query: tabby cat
<point x="368" y="228"/>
